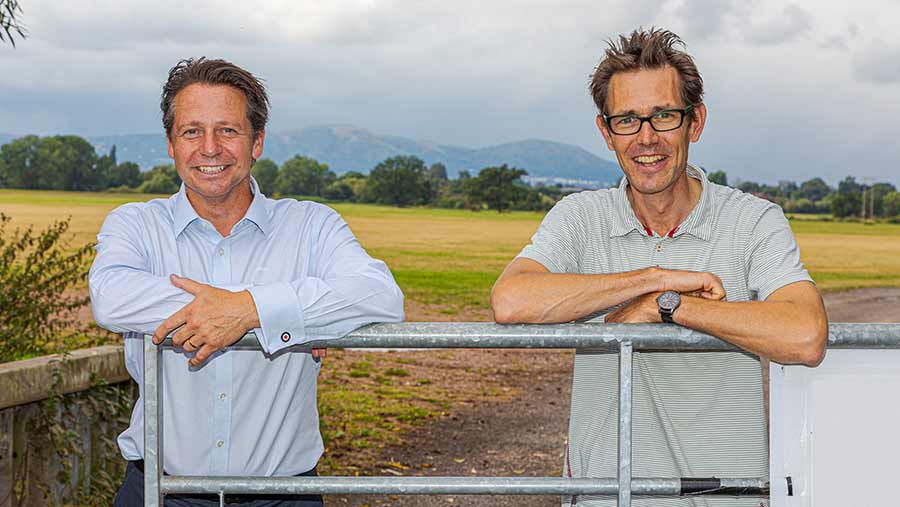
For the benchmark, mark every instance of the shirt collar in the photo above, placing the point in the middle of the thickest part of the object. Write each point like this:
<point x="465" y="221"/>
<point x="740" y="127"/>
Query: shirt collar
<point x="697" y="223"/>
<point x="257" y="214"/>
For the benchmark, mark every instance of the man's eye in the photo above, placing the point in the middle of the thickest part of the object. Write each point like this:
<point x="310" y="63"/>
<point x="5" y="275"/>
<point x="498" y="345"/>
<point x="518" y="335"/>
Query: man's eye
<point x="229" y="131"/>
<point x="191" y="133"/>
<point x="665" y="115"/>
<point x="626" y="120"/>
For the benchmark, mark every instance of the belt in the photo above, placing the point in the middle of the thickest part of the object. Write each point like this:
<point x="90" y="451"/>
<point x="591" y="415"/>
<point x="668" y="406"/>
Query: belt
<point x="232" y="499"/>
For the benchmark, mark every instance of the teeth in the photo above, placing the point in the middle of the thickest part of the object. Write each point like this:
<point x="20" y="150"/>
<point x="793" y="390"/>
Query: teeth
<point x="211" y="169"/>
<point x="649" y="159"/>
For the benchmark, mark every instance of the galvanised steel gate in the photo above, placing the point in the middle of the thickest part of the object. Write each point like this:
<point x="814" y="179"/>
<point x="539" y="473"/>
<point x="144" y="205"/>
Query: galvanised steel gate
<point x="622" y="338"/>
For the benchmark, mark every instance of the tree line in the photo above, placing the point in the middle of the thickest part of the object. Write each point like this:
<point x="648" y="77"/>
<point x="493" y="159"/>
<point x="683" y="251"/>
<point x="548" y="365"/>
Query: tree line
<point x="849" y="199"/>
<point x="71" y="163"/>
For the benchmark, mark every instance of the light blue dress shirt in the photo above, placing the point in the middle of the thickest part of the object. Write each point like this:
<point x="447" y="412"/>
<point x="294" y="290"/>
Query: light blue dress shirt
<point x="244" y="413"/>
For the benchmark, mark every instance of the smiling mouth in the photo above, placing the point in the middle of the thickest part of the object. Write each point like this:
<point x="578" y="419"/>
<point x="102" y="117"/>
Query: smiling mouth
<point x="211" y="169"/>
<point x="650" y="159"/>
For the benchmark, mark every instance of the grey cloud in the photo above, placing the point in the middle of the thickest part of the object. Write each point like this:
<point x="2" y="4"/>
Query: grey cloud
<point x="706" y="18"/>
<point x="793" y="22"/>
<point x="878" y="63"/>
<point x="834" y="42"/>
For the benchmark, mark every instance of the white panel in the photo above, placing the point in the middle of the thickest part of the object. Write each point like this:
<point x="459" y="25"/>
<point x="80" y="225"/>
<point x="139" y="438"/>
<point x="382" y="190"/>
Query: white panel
<point x="835" y="430"/>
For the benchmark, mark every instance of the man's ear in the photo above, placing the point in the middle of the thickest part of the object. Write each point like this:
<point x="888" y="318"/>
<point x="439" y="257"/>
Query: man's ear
<point x="170" y="146"/>
<point x="607" y="135"/>
<point x="258" y="142"/>
<point x="698" y="121"/>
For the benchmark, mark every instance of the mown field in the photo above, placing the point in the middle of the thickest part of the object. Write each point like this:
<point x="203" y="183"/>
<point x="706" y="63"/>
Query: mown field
<point x="447" y="260"/>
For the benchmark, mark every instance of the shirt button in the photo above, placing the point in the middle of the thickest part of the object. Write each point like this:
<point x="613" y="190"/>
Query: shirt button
<point x="222" y="396"/>
<point x="659" y="248"/>
<point x="221" y="252"/>
<point x="220" y="443"/>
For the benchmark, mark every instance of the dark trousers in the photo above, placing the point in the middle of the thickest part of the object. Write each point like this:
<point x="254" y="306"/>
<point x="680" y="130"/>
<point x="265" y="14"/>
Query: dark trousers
<point x="131" y="494"/>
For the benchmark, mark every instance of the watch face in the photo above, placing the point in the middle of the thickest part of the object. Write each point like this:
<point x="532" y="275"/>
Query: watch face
<point x="668" y="300"/>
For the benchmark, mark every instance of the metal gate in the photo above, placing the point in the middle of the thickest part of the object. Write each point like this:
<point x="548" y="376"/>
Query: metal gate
<point x="624" y="339"/>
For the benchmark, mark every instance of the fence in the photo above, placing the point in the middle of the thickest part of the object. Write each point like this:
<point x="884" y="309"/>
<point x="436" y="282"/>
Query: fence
<point x="622" y="338"/>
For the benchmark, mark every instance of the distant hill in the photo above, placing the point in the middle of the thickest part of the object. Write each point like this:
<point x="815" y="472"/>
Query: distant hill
<point x="348" y="148"/>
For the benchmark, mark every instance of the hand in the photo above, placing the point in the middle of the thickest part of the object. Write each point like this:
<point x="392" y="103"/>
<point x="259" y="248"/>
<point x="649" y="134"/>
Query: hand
<point x="319" y="353"/>
<point x="640" y="310"/>
<point x="692" y="283"/>
<point x="215" y="319"/>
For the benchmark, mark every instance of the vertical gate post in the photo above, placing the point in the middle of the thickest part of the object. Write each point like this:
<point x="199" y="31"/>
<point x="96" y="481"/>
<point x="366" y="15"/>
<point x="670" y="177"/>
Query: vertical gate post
<point x="626" y="349"/>
<point x="152" y="422"/>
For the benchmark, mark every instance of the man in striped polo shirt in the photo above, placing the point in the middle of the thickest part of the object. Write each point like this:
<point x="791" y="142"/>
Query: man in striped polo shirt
<point x="667" y="245"/>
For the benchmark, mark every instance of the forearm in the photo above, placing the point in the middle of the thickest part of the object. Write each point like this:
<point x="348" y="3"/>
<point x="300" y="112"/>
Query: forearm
<point x="543" y="297"/>
<point x="787" y="332"/>
<point x="125" y="299"/>
<point x="314" y="308"/>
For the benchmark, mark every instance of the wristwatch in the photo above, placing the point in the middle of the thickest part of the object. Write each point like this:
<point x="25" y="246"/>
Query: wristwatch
<point x="668" y="302"/>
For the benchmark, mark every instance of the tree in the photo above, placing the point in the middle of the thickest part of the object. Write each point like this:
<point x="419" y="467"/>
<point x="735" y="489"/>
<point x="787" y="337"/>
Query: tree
<point x="265" y="172"/>
<point x="892" y="204"/>
<point x="815" y="189"/>
<point x="718" y="177"/>
<point x="437" y="172"/>
<point x="162" y="179"/>
<point x="19" y="162"/>
<point x="848" y="186"/>
<point x="9" y="23"/>
<point x="303" y="176"/>
<point x="399" y="181"/>
<point x="878" y="192"/>
<point x="159" y="183"/>
<point x="126" y="174"/>
<point x="496" y="187"/>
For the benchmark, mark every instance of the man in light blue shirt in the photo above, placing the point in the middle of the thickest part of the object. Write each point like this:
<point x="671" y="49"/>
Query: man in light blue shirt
<point x="214" y="261"/>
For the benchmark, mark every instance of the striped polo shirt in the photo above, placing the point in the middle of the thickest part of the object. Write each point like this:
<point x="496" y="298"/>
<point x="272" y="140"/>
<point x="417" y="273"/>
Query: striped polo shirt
<point x="695" y="414"/>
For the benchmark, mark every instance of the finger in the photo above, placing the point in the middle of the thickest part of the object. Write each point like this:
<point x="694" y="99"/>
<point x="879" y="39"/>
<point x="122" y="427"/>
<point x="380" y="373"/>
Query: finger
<point x="172" y="323"/>
<point x="202" y="355"/>
<point x="182" y="335"/>
<point x="319" y="353"/>
<point x="193" y="343"/>
<point x="186" y="284"/>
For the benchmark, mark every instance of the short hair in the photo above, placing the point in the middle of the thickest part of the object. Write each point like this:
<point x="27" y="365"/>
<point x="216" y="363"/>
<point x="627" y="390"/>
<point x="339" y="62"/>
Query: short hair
<point x="646" y="49"/>
<point x="215" y="72"/>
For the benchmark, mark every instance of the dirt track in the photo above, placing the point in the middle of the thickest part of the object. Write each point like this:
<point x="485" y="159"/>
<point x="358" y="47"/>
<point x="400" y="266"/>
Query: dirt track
<point x="525" y="436"/>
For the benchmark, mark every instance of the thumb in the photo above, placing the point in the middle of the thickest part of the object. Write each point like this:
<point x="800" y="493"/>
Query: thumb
<point x="186" y="284"/>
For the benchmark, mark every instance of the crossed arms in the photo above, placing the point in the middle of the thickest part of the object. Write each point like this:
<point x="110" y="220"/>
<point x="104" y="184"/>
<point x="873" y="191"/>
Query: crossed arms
<point x="789" y="327"/>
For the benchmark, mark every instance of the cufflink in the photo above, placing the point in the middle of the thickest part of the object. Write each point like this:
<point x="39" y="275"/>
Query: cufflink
<point x="285" y="337"/>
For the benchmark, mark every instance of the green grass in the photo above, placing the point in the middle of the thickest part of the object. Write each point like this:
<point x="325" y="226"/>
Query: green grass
<point x="447" y="260"/>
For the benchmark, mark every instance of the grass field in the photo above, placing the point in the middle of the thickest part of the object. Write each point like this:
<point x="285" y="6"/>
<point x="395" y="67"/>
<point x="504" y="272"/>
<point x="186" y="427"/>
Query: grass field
<point x="447" y="260"/>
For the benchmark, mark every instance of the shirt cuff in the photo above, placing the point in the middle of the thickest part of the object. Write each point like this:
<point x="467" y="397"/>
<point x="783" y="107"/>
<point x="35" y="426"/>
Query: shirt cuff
<point x="280" y="316"/>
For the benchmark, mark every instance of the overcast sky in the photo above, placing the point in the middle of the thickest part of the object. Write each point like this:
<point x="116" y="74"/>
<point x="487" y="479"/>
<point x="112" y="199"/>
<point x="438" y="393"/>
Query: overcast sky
<point x="794" y="89"/>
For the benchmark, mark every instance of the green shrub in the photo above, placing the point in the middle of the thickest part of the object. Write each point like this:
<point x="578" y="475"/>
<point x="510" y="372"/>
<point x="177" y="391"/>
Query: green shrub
<point x="39" y="276"/>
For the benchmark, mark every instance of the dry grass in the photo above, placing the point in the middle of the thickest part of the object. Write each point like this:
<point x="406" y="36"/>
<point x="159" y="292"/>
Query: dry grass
<point x="447" y="260"/>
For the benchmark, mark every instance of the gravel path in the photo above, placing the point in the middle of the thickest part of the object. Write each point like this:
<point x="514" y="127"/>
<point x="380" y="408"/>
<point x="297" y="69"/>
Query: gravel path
<point x="525" y="436"/>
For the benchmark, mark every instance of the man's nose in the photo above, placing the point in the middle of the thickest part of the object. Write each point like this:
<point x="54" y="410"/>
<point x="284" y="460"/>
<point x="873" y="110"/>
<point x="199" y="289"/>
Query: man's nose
<point x="210" y="146"/>
<point x="647" y="135"/>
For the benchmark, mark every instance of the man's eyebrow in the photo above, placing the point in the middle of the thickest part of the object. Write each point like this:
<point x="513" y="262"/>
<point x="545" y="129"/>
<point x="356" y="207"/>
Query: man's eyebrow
<point x="665" y="106"/>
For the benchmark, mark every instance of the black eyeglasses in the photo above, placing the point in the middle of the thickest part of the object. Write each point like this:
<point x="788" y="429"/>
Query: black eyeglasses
<point x="661" y="121"/>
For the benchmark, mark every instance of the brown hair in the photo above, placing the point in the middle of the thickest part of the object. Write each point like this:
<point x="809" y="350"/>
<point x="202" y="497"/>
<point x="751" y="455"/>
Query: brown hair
<point x="215" y="72"/>
<point x="646" y="49"/>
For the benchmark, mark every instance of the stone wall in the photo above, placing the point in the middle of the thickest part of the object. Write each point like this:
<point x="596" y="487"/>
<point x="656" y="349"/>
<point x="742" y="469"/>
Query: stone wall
<point x="59" y="418"/>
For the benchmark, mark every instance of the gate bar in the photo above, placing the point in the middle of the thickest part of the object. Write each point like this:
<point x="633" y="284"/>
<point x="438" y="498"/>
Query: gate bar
<point x="458" y="486"/>
<point x="625" y="382"/>
<point x="645" y="337"/>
